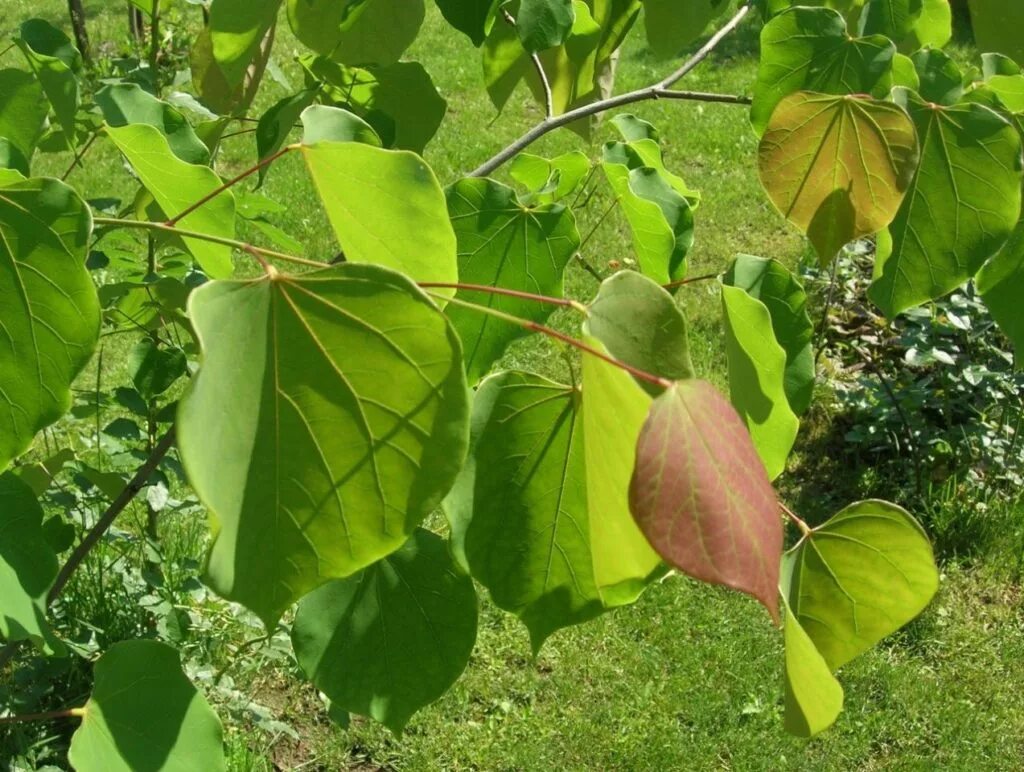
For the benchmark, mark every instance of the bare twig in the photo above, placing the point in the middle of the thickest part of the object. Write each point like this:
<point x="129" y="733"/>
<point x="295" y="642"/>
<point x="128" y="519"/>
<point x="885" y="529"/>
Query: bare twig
<point x="79" y="155"/>
<point x="538" y="65"/>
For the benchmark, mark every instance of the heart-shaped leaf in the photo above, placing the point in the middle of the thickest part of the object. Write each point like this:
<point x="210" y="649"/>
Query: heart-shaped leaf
<point x="837" y="167"/>
<point x="701" y="495"/>
<point x="347" y="424"/>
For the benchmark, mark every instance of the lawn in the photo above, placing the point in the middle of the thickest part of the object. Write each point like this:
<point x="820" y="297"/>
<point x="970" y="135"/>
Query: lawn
<point x="690" y="677"/>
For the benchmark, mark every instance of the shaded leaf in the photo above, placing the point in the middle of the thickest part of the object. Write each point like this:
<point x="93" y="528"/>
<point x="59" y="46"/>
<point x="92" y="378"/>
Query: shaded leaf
<point x="1001" y="284"/>
<point x="701" y="495"/>
<point x="277" y="123"/>
<point x="837" y="167"/>
<point x="126" y="103"/>
<point x="504" y="244"/>
<point x="912" y="24"/>
<point x="357" y="31"/>
<point x="392" y="638"/>
<point x="940" y="79"/>
<point x="49" y="312"/>
<point x="472" y="17"/>
<point x="672" y="25"/>
<point x="814" y="698"/>
<point x="996" y="25"/>
<point x="963" y="203"/>
<point x="154" y="369"/>
<point x="23" y="111"/>
<point x="544" y="24"/>
<point x="55" y="62"/>
<point x="144" y="713"/>
<point x="348" y="425"/>
<point x="236" y="28"/>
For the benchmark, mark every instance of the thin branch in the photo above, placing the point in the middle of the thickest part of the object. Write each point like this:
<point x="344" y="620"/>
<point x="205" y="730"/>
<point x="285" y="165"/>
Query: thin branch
<point x="598" y="224"/>
<point x="538" y="65"/>
<point x="657" y="91"/>
<point x="49" y="716"/>
<point x="586" y="266"/>
<point x="690" y="280"/>
<point x="233" y="181"/>
<point x="79" y="155"/>
<point x="798" y="521"/>
<point x="564" y="302"/>
<point x="526" y="324"/>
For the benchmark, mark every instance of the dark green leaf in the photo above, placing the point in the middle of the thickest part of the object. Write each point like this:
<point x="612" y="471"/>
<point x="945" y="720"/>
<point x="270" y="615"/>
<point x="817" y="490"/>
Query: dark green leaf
<point x="23" y="112"/>
<point x="544" y="24"/>
<point x="55" y="61"/>
<point x="154" y="369"/>
<point x="126" y="103"/>
<point x="672" y="25"/>
<point x="1001" y="284"/>
<point x="939" y="76"/>
<point x="472" y="17"/>
<point x="357" y="31"/>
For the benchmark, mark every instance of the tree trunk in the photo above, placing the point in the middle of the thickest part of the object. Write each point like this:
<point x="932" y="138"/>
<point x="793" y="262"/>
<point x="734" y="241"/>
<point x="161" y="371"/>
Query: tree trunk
<point x="78" y="25"/>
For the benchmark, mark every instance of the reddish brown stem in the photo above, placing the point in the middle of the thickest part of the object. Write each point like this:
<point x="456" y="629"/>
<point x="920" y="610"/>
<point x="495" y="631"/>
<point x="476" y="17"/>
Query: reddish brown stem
<point x="500" y="291"/>
<point x="692" y="280"/>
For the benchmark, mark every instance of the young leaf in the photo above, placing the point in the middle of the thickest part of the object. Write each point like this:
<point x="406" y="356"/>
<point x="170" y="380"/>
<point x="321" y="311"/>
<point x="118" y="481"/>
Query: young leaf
<point x="347" y="425"/>
<point x="144" y="713"/>
<point x="640" y="324"/>
<point x="672" y="25"/>
<point x="392" y="638"/>
<point x="757" y="377"/>
<point x="386" y="208"/>
<point x="814" y="698"/>
<point x="782" y="294"/>
<point x="55" y="62"/>
<point x="49" y="312"/>
<point x="544" y="24"/>
<point x="962" y="205"/>
<point x="809" y="49"/>
<point x="126" y="103"/>
<point x="28" y="565"/>
<point x="860" y="577"/>
<point x="176" y="185"/>
<point x="1001" y="284"/>
<point x="701" y="495"/>
<point x="550" y="180"/>
<point x="504" y="244"/>
<point x="837" y="167"/>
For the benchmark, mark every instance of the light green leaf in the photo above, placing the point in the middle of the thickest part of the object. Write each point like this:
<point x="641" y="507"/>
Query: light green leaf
<point x="1009" y="89"/>
<point x="837" y="167"/>
<point x="49" y="312"/>
<point x="28" y="565"/>
<point x="1001" y="284"/>
<point x="23" y="111"/>
<point x="392" y="638"/>
<point x="904" y="73"/>
<point x="757" y="373"/>
<point x="859" y="577"/>
<point x="962" y="205"/>
<point x="544" y="24"/>
<point x="176" y="185"/>
<point x="322" y="123"/>
<point x="144" y="713"/>
<point x="782" y="294"/>
<point x="126" y="103"/>
<point x="386" y="208"/>
<point x="640" y="324"/>
<point x="809" y="49"/>
<point x="400" y="101"/>
<point x="236" y="29"/>
<point x="348" y="424"/>
<point x="357" y="31"/>
<point x="505" y="244"/>
<point x="550" y="180"/>
<point x="671" y="25"/>
<point x="996" y="25"/>
<point x="912" y="24"/>
<point x="55" y="62"/>
<point x="217" y="90"/>
<point x="814" y="698"/>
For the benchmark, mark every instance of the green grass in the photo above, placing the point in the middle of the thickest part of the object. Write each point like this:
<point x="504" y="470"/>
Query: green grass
<point x="688" y="678"/>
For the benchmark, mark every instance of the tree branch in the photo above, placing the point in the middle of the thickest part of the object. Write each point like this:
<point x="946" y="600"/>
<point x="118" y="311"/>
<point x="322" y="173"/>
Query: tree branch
<point x="660" y="90"/>
<point x="538" y="65"/>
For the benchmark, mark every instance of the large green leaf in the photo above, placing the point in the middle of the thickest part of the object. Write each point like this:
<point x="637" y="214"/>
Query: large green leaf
<point x="939" y="76"/>
<point x="859" y="577"/>
<point x="144" y="714"/>
<point x="347" y="424"/>
<point x="176" y="185"/>
<point x="814" y="698"/>
<point x="961" y="207"/>
<point x="472" y="17"/>
<point x="640" y="324"/>
<point x="357" y="31"/>
<point x="550" y="179"/>
<point x="400" y="101"/>
<point x="700" y="493"/>
<point x="837" y="167"/>
<point x="809" y="49"/>
<point x="996" y="25"/>
<point x="672" y="24"/>
<point x="770" y="282"/>
<point x="49" y="313"/>
<point x="386" y="208"/>
<point x="912" y="24"/>
<point x="504" y="244"/>
<point x="236" y="29"/>
<point x="23" y="112"/>
<point x="216" y="89"/>
<point x="757" y="377"/>
<point x="28" y="565"/>
<point x="544" y="24"/>
<point x="392" y="638"/>
<point x="55" y="61"/>
<point x="1001" y="284"/>
<point x="126" y="103"/>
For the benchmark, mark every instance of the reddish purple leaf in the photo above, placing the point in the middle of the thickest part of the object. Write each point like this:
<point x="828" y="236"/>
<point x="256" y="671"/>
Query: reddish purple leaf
<point x="701" y="495"/>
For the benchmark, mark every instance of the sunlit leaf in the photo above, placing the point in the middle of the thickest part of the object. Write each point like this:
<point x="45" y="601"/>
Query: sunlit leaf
<point x="348" y="423"/>
<point x="55" y="62"/>
<point x="837" y="167"/>
<point x="962" y="205"/>
<point x="859" y="577"/>
<point x="236" y="29"/>
<point x="23" y="112"/>
<point x="126" y="103"/>
<point x="814" y="698"/>
<point x="912" y="24"/>
<point x="701" y="495"/>
<point x="144" y="713"/>
<point x="357" y="31"/>
<point x="505" y="244"/>
<point x="553" y="179"/>
<point x="49" y="313"/>
<point x="392" y="638"/>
